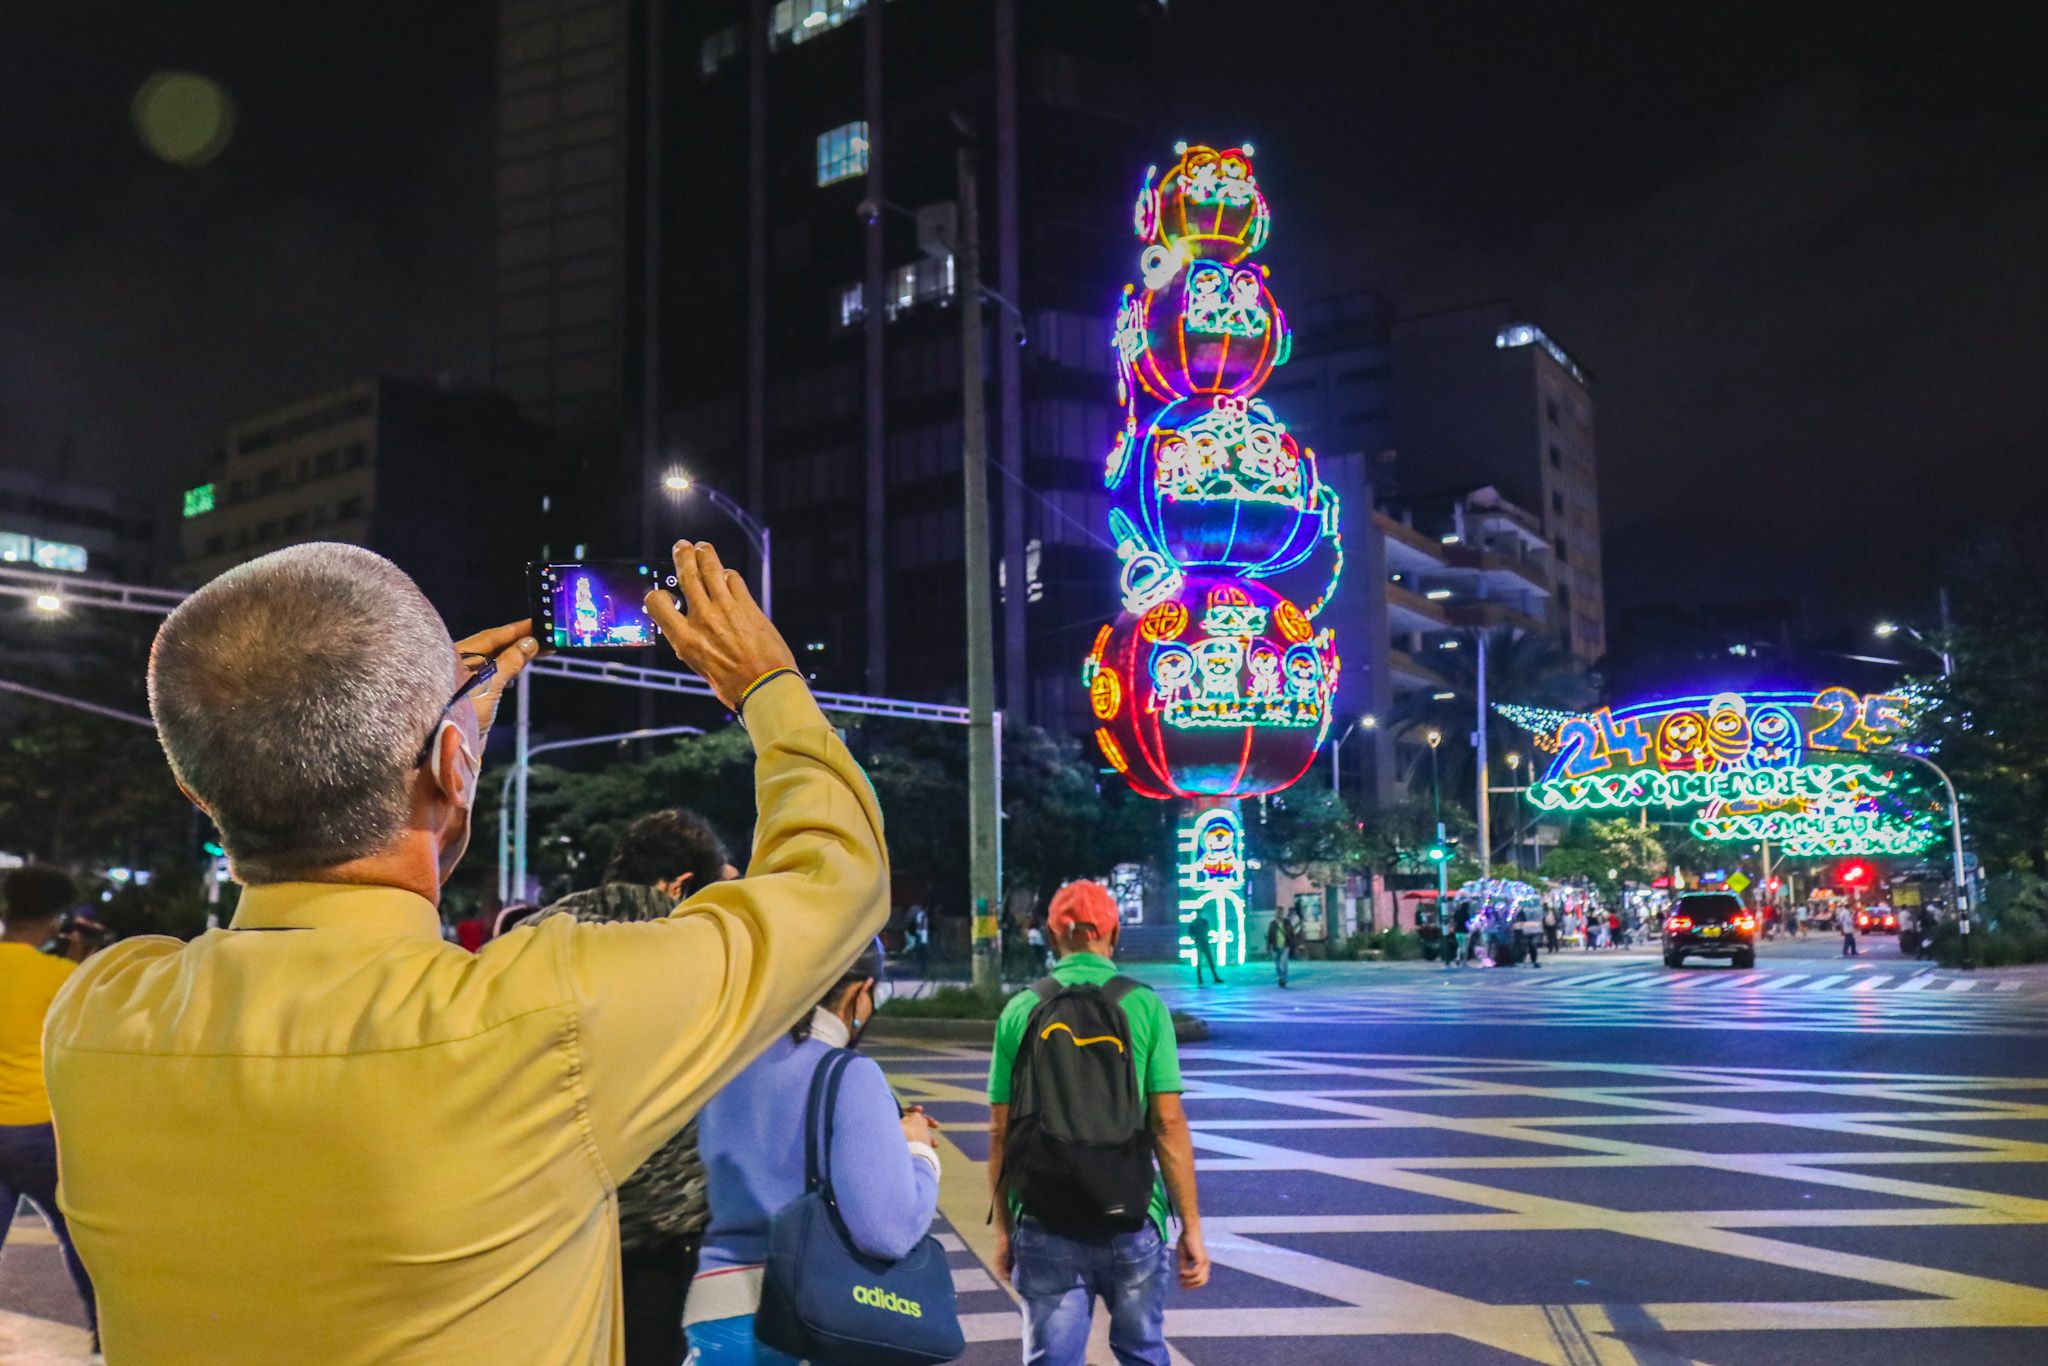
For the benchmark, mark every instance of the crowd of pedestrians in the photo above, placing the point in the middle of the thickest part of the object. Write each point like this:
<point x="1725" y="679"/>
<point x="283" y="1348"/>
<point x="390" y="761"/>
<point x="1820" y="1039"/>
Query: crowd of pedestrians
<point x="625" y="1127"/>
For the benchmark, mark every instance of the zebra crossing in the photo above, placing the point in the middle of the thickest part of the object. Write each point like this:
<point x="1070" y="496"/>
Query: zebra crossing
<point x="1821" y="995"/>
<point x="1659" y="978"/>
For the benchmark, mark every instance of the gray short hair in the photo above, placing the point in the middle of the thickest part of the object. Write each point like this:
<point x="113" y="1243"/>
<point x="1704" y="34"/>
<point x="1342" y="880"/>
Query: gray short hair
<point x="292" y="695"/>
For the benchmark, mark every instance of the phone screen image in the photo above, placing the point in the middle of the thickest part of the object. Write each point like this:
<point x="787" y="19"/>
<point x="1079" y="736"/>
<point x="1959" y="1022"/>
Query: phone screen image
<point x="595" y="605"/>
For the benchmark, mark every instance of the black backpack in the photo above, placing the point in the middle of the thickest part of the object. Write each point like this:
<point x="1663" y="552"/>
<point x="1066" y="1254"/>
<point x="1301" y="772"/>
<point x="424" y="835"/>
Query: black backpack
<point x="1078" y="1153"/>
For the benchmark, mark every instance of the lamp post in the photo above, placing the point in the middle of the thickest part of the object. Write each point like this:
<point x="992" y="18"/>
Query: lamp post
<point x="1514" y="759"/>
<point x="508" y="840"/>
<point x="1955" y="845"/>
<point x="1436" y="802"/>
<point x="1367" y="721"/>
<point x="677" y="482"/>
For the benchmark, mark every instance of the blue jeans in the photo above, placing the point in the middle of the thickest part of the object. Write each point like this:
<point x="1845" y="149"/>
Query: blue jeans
<point x="28" y="1167"/>
<point x="1061" y="1277"/>
<point x="731" y="1342"/>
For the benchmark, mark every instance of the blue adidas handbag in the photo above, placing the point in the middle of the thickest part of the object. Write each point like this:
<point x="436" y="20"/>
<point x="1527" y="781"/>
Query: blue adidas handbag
<point x="825" y="1301"/>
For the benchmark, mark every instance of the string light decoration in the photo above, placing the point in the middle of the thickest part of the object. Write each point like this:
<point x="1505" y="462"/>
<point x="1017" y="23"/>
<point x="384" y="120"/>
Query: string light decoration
<point x="1219" y="682"/>
<point x="1542" y="723"/>
<point x="1803" y="770"/>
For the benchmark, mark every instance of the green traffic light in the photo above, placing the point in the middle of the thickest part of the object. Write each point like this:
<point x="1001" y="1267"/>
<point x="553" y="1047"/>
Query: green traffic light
<point x="1437" y="853"/>
<point x="214" y="849"/>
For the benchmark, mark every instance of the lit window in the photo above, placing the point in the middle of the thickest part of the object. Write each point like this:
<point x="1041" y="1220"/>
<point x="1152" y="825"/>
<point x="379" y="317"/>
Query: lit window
<point x="60" y="555"/>
<point x="852" y="305"/>
<point x="199" y="501"/>
<point x="843" y="152"/>
<point x="919" y="282"/>
<point x="799" y="21"/>
<point x="720" y="48"/>
<point x="16" y="548"/>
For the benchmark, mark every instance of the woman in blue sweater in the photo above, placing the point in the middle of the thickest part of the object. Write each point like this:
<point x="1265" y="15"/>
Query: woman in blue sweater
<point x="885" y="1171"/>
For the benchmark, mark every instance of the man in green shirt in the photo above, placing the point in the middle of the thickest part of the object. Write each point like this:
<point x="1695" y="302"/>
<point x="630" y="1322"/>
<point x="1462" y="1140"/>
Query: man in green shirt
<point x="1059" y="1275"/>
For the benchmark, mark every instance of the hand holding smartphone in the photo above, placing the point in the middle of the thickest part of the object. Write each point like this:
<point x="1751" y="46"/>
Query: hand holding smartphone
<point x="703" y="610"/>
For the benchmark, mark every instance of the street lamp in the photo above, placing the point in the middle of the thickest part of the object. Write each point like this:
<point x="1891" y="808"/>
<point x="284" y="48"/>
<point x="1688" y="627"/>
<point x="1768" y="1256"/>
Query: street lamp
<point x="1367" y="722"/>
<point x="677" y="482"/>
<point x="1885" y="630"/>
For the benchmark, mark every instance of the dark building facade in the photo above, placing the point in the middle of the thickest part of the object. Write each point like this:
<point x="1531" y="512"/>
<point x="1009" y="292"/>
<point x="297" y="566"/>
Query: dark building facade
<point x="1484" y="398"/>
<point x="374" y="464"/>
<point x="727" y="249"/>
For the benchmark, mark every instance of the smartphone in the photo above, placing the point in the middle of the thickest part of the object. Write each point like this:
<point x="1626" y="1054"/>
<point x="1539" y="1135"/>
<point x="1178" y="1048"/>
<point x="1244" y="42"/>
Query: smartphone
<point x="595" y="605"/>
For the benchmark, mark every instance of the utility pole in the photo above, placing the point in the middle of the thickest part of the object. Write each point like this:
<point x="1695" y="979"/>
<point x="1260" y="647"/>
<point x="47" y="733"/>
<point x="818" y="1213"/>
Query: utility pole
<point x="982" y="812"/>
<point x="1485" y="783"/>
<point x="522" y="756"/>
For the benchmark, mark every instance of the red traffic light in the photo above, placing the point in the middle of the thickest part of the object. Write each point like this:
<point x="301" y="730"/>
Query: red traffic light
<point x="1854" y="873"/>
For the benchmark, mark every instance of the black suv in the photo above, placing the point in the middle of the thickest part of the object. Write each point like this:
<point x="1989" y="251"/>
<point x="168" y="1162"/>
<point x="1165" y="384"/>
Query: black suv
<point x="1710" y="925"/>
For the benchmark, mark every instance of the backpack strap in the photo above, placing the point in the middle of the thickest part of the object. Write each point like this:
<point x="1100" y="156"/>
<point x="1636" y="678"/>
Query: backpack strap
<point x="1118" y="987"/>
<point x="1045" y="988"/>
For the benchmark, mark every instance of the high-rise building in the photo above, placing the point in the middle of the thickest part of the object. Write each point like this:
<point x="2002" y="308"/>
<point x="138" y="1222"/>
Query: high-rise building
<point x="727" y="247"/>
<point x="448" y="484"/>
<point x="1484" y="398"/>
<point x="51" y="522"/>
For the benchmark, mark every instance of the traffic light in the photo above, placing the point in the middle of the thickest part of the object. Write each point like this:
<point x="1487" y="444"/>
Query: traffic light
<point x="1855" y="873"/>
<point x="1438" y="853"/>
<point x="212" y="849"/>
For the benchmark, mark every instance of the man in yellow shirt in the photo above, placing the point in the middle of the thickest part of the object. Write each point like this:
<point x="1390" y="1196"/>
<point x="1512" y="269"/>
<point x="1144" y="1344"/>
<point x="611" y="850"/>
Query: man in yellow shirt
<point x="36" y="901"/>
<point x="324" y="1135"/>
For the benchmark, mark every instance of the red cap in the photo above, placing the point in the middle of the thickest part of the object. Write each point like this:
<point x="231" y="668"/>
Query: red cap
<point x="1083" y="905"/>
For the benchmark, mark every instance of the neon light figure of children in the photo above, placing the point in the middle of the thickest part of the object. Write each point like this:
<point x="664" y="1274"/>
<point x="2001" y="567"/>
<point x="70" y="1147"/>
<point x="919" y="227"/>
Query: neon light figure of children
<point x="587" y="625"/>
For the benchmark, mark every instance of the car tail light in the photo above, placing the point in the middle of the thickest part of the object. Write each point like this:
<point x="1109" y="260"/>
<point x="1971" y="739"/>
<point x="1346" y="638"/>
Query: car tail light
<point x="1743" y="922"/>
<point x="1679" y="922"/>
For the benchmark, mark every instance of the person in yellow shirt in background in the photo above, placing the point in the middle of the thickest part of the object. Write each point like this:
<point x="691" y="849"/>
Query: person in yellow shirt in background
<point x="323" y="1134"/>
<point x="36" y="899"/>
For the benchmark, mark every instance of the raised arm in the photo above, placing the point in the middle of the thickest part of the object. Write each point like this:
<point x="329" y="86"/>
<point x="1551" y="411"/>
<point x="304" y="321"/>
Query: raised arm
<point x="669" y="1010"/>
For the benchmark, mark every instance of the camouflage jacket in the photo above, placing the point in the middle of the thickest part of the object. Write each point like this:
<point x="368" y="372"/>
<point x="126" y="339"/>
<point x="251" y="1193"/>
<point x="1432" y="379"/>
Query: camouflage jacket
<point x="666" y="1197"/>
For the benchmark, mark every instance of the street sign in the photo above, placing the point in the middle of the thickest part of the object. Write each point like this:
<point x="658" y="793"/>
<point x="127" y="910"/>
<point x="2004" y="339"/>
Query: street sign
<point x="1738" y="881"/>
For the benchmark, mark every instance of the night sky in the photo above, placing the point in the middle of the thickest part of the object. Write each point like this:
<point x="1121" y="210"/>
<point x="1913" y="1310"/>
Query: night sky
<point x="1799" y="248"/>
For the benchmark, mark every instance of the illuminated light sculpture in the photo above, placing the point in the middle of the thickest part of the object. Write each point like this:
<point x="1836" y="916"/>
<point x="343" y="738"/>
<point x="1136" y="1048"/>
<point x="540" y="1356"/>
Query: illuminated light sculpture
<point x="1220" y="691"/>
<point x="1220" y="484"/>
<point x="1804" y="770"/>
<point x="1214" y="682"/>
<point x="1211" y="879"/>
<point x="1207" y="206"/>
<point x="1207" y="329"/>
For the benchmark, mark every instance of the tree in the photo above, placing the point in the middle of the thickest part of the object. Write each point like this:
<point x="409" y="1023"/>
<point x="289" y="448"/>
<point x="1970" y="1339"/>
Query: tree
<point x="89" y="792"/>
<point x="1607" y="853"/>
<point x="1307" y="831"/>
<point x="1062" y="821"/>
<point x="1987" y="724"/>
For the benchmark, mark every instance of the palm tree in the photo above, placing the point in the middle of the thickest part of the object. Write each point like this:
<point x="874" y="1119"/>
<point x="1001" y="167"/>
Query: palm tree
<point x="1530" y="669"/>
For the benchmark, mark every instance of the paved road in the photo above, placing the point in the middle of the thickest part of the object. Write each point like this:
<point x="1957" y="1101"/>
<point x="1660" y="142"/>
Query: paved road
<point x="1595" y="1162"/>
<point x="1600" y="1162"/>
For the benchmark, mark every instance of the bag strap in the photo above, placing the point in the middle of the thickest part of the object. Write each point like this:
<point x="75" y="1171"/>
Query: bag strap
<point x="1045" y="988"/>
<point x="824" y="1099"/>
